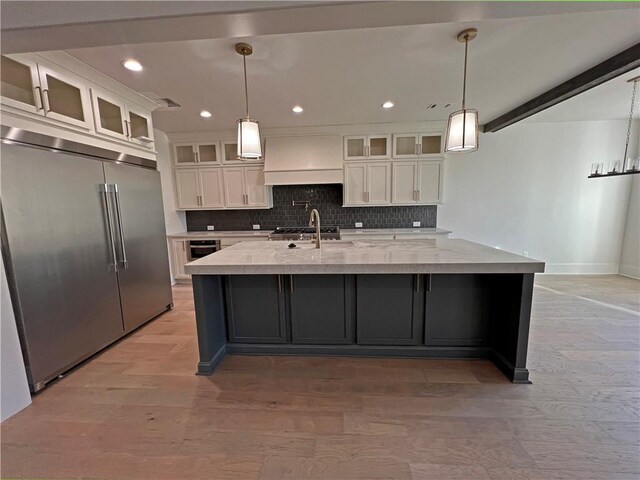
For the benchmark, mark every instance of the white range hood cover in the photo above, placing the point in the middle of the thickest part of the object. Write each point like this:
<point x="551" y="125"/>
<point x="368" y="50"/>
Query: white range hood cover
<point x="303" y="160"/>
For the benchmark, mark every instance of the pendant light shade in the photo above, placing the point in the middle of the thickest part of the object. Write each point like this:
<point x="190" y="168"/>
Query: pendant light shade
<point x="249" y="143"/>
<point x="462" y="131"/>
<point x="462" y="128"/>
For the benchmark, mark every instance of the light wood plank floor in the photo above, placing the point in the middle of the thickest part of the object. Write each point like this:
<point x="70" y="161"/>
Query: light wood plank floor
<point x="137" y="411"/>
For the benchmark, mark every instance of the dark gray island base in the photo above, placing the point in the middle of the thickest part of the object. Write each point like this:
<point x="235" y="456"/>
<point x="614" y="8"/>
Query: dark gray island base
<point x="461" y="315"/>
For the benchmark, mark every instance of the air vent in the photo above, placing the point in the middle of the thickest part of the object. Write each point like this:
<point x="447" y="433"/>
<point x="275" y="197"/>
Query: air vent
<point x="433" y="106"/>
<point x="165" y="103"/>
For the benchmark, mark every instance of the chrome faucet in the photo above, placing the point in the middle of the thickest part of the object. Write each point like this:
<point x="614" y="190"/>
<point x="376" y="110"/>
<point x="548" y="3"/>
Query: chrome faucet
<point x="317" y="221"/>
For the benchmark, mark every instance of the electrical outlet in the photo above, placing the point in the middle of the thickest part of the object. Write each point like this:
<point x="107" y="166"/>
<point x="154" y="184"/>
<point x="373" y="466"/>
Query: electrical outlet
<point x="210" y="227"/>
<point x="416" y="224"/>
<point x="256" y="227"/>
<point x="358" y="224"/>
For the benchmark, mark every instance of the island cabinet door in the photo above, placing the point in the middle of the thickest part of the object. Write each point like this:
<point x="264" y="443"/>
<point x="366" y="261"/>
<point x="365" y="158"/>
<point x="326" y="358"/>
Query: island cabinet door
<point x="457" y="310"/>
<point x="322" y="309"/>
<point x="389" y="309"/>
<point x="255" y="309"/>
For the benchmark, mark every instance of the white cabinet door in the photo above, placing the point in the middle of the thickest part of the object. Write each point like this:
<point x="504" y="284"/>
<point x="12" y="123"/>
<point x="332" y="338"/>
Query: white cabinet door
<point x="367" y="147"/>
<point x="230" y="152"/>
<point x="255" y="190"/>
<point x="405" y="176"/>
<point x="211" y="188"/>
<point x="180" y="258"/>
<point x="355" y="147"/>
<point x="355" y="184"/>
<point x="139" y="126"/>
<point x="430" y="145"/>
<point x="234" y="188"/>
<point x="109" y="115"/>
<point x="429" y="181"/>
<point x="184" y="154"/>
<point x="378" y="147"/>
<point x="207" y="153"/>
<point x="20" y="85"/>
<point x="187" y="188"/>
<point x="65" y="98"/>
<point x="378" y="183"/>
<point x="405" y="145"/>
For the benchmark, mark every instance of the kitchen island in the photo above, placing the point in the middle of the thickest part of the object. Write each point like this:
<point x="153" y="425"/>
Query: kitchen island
<point x="445" y="298"/>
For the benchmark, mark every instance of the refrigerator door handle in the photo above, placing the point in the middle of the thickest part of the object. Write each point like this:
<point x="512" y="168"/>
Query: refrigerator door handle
<point x="104" y="189"/>
<point x="123" y="249"/>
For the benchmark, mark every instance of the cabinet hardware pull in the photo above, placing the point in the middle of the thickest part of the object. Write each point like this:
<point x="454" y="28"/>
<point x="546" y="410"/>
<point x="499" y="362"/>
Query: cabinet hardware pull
<point x="429" y="283"/>
<point x="126" y="129"/>
<point x="419" y="149"/>
<point x="193" y="154"/>
<point x="45" y="100"/>
<point x="291" y="283"/>
<point x="416" y="150"/>
<point x="183" y="247"/>
<point x="279" y="283"/>
<point x="418" y="193"/>
<point x="38" y="98"/>
<point x="197" y="157"/>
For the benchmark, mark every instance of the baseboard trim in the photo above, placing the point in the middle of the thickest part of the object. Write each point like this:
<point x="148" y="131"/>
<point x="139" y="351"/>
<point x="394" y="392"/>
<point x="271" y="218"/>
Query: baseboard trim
<point x="515" y="374"/>
<point x="582" y="268"/>
<point x="207" y="368"/>
<point x="631" y="271"/>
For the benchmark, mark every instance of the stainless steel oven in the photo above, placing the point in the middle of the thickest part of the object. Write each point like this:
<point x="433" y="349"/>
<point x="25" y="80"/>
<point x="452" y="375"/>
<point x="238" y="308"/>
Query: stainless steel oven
<point x="202" y="248"/>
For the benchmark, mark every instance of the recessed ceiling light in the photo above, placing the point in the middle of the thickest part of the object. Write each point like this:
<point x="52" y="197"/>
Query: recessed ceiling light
<point x="387" y="105"/>
<point x="205" y="114"/>
<point x="132" y="65"/>
<point x="297" y="109"/>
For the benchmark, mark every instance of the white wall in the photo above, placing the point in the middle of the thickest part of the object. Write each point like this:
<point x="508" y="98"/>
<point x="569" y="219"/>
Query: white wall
<point x="630" y="257"/>
<point x="526" y="190"/>
<point x="14" y="389"/>
<point x="175" y="221"/>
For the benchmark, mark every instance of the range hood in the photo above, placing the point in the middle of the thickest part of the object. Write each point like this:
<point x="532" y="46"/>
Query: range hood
<point x="303" y="160"/>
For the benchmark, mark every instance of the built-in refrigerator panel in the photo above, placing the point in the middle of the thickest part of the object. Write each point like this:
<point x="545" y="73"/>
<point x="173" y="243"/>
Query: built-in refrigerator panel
<point x="57" y="242"/>
<point x="143" y="271"/>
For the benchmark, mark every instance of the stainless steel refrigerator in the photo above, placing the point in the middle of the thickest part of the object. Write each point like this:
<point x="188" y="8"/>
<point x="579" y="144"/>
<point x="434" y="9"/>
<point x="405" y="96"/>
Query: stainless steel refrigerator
<point x="84" y="243"/>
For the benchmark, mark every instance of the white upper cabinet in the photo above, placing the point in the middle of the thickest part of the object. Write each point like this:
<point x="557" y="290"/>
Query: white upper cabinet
<point x="230" y="153"/>
<point x="38" y="89"/>
<point x="417" y="145"/>
<point x="199" y="188"/>
<point x="187" y="188"/>
<point x="417" y="182"/>
<point x="190" y="154"/>
<point x="234" y="187"/>
<point x="367" y="147"/>
<point x="256" y="192"/>
<point x="367" y="184"/>
<point x="20" y="85"/>
<point x="211" y="188"/>
<point x="116" y="118"/>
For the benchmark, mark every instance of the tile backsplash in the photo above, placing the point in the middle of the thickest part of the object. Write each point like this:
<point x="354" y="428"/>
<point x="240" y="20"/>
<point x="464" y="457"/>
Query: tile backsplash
<point x="326" y="198"/>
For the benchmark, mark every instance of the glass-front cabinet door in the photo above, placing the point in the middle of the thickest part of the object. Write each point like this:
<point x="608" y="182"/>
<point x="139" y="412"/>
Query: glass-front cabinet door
<point x="207" y="153"/>
<point x="378" y="147"/>
<point x="184" y="154"/>
<point x="20" y="86"/>
<point x="355" y="147"/>
<point x="139" y="127"/>
<point x="109" y="115"/>
<point x="430" y="144"/>
<point x="65" y="98"/>
<point x="405" y="145"/>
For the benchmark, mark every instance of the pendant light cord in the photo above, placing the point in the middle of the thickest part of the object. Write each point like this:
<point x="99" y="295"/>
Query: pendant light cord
<point x="464" y="77"/>
<point x="246" y="89"/>
<point x="626" y="145"/>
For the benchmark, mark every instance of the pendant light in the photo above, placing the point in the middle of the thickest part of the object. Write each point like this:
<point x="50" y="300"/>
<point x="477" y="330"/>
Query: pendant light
<point x="627" y="166"/>
<point x="462" y="128"/>
<point x="249" y="144"/>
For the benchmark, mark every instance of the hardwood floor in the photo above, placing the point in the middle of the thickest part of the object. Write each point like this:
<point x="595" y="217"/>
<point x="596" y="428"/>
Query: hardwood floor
<point x="137" y="411"/>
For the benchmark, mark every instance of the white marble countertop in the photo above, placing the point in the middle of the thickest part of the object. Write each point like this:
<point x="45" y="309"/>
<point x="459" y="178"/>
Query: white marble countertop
<point x="393" y="231"/>
<point x="437" y="255"/>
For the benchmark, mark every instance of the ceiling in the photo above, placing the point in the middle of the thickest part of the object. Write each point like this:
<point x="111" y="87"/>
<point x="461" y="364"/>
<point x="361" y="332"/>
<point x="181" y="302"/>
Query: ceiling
<point x="24" y="14"/>
<point x="343" y="77"/>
